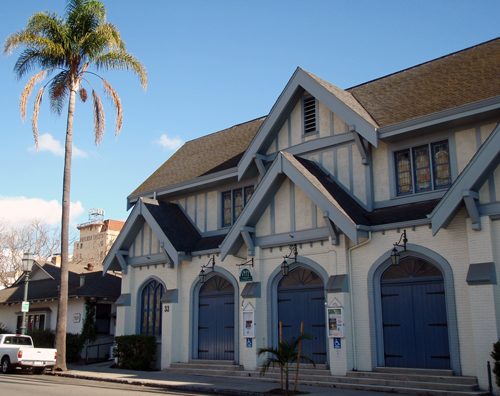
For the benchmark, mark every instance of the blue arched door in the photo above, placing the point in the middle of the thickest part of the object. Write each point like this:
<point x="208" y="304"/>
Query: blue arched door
<point x="301" y="298"/>
<point x="216" y="320"/>
<point x="414" y="316"/>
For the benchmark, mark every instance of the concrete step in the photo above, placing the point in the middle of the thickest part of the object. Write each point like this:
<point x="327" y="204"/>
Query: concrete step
<point x="196" y="366"/>
<point x="413" y="377"/>
<point x="415" y="371"/>
<point x="210" y="362"/>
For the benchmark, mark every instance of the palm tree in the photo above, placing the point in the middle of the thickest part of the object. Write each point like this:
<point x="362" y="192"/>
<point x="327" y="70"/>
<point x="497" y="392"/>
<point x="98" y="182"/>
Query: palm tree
<point x="66" y="48"/>
<point x="284" y="355"/>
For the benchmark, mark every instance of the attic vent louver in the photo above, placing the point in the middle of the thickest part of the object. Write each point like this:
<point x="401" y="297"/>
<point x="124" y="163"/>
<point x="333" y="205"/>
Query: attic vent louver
<point x="309" y="115"/>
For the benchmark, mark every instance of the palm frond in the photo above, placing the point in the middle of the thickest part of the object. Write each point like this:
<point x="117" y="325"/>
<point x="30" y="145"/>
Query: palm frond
<point x="59" y="92"/>
<point x="99" y="119"/>
<point x="121" y="60"/>
<point x="111" y="93"/>
<point x="28" y="89"/>
<point x="36" y="110"/>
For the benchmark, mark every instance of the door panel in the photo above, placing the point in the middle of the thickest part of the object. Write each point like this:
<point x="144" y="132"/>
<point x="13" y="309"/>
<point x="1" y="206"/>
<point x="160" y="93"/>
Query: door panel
<point x="415" y="326"/>
<point x="308" y="306"/>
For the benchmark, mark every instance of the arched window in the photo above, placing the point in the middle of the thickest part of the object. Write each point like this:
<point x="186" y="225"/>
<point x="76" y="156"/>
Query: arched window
<point x="151" y="308"/>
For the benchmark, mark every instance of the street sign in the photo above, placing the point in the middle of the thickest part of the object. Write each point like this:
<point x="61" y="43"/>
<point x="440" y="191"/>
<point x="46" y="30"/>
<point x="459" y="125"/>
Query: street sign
<point x="337" y="344"/>
<point x="249" y="342"/>
<point x="25" y="307"/>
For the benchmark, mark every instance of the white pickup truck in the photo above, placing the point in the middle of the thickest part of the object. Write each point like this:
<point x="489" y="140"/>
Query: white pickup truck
<point x="18" y="351"/>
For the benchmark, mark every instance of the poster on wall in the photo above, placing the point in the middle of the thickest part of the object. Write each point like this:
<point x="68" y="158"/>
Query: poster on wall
<point x="335" y="322"/>
<point x="248" y="324"/>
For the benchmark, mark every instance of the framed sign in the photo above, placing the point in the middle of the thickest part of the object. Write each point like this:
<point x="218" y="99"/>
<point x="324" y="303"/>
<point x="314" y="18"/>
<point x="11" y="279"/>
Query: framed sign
<point x="248" y="324"/>
<point x="335" y="322"/>
<point x="245" y="275"/>
<point x="77" y="317"/>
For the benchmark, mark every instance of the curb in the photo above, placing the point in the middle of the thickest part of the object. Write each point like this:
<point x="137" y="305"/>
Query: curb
<point x="194" y="388"/>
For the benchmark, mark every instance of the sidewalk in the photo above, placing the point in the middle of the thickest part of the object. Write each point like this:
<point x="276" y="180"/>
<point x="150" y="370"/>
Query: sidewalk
<point x="197" y="383"/>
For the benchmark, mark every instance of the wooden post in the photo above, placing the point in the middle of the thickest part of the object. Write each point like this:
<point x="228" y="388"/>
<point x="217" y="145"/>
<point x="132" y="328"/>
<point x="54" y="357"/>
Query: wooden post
<point x="298" y="357"/>
<point x="281" y="371"/>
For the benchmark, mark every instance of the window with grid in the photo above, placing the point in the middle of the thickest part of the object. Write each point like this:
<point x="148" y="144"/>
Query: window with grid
<point x="423" y="168"/>
<point x="310" y="115"/>
<point x="151" y="308"/>
<point x="233" y="202"/>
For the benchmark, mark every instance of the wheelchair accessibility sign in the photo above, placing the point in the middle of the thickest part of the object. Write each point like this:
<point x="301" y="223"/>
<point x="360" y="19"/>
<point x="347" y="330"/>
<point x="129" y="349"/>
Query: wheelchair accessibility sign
<point x="337" y="343"/>
<point x="249" y="342"/>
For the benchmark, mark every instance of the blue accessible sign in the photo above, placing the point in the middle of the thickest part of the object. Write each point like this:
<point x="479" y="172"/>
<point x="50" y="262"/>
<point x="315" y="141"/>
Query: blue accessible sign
<point x="337" y="344"/>
<point x="249" y="342"/>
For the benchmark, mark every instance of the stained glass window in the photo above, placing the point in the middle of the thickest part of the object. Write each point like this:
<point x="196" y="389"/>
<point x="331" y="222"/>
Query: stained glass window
<point x="233" y="203"/>
<point x="151" y="308"/>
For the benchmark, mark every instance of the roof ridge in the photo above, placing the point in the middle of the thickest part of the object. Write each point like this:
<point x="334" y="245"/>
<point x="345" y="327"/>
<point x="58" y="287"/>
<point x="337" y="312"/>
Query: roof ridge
<point x="422" y="64"/>
<point x="226" y="129"/>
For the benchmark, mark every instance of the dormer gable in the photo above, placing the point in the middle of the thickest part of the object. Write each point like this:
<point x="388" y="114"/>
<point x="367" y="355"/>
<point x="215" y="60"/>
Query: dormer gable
<point x="313" y="92"/>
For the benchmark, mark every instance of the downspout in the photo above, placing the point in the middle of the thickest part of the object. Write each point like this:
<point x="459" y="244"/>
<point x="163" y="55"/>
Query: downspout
<point x="351" y="292"/>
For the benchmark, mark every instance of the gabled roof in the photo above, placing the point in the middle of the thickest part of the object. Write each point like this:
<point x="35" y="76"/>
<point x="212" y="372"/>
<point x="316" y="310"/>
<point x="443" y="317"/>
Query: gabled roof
<point x="457" y="79"/>
<point x="340" y="102"/>
<point x="208" y="154"/>
<point x="486" y="159"/>
<point x="339" y="207"/>
<point x="96" y="285"/>
<point x="178" y="237"/>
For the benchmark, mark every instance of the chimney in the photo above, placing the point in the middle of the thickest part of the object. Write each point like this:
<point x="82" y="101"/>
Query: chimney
<point x="82" y="279"/>
<point x="90" y="267"/>
<point x="56" y="259"/>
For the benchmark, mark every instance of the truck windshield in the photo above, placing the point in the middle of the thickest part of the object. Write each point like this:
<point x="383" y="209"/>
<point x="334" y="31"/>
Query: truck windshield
<point x="17" y="340"/>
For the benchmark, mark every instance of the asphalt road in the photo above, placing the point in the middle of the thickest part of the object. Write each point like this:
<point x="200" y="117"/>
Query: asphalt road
<point x="27" y="384"/>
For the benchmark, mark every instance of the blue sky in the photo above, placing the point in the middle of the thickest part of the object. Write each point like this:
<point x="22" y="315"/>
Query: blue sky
<point x="211" y="65"/>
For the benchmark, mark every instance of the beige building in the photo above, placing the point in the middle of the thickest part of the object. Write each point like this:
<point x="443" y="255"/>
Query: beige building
<point x="96" y="238"/>
<point x="297" y="218"/>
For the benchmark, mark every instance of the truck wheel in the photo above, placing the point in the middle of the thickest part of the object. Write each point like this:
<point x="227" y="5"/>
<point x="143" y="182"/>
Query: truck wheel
<point x="6" y="366"/>
<point x="39" y="370"/>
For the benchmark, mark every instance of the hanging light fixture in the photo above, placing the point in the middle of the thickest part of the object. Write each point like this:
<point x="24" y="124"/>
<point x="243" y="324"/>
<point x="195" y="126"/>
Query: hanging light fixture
<point x="285" y="267"/>
<point x="395" y="255"/>
<point x="203" y="274"/>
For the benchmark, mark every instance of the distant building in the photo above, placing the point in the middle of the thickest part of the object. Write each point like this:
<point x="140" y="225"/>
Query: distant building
<point x="96" y="238"/>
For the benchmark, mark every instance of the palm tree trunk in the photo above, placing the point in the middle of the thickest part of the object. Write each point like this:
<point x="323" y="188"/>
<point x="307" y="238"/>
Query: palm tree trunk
<point x="62" y="311"/>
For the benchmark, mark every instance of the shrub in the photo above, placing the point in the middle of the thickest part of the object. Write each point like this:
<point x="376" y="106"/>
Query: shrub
<point x="496" y="365"/>
<point x="135" y="352"/>
<point x="74" y="346"/>
<point x="4" y="329"/>
<point x="42" y="338"/>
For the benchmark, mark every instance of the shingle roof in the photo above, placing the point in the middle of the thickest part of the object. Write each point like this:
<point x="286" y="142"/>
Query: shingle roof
<point x="359" y="215"/>
<point x="179" y="230"/>
<point x="453" y="80"/>
<point x="217" y="151"/>
<point x="95" y="285"/>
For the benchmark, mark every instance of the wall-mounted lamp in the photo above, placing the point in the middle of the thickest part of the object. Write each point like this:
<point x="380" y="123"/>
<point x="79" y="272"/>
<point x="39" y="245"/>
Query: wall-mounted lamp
<point x="249" y="263"/>
<point x="203" y="275"/>
<point x="285" y="267"/>
<point x="395" y="256"/>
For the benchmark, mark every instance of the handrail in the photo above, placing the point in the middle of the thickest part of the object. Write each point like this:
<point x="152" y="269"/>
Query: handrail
<point x="98" y="359"/>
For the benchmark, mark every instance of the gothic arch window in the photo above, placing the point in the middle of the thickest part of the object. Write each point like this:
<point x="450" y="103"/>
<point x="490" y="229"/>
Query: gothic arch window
<point x="151" y="308"/>
<point x="411" y="269"/>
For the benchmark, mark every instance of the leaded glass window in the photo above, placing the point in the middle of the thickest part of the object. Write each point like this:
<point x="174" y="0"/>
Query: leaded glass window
<point x="413" y="168"/>
<point x="233" y="203"/>
<point x="151" y="308"/>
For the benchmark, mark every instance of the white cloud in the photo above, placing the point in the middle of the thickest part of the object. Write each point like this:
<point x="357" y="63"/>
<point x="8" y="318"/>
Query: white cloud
<point x="47" y="143"/>
<point x="18" y="211"/>
<point x="169" y="143"/>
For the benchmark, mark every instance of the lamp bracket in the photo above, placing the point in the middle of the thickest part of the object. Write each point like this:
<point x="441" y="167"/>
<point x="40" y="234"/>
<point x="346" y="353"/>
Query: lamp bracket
<point x="293" y="252"/>
<point x="402" y="239"/>
<point x="248" y="262"/>
<point x="211" y="263"/>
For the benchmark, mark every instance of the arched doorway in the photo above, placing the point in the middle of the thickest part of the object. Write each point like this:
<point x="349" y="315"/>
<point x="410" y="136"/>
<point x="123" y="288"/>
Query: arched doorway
<point x="301" y="298"/>
<point x="414" y="320"/>
<point x="216" y="320"/>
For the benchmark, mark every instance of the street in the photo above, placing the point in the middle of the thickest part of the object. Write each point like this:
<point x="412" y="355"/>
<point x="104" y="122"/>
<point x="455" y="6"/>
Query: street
<point x="27" y="384"/>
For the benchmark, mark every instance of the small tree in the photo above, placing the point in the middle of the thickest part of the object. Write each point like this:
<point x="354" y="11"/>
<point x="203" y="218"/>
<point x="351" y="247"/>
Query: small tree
<point x="285" y="355"/>
<point x="496" y="365"/>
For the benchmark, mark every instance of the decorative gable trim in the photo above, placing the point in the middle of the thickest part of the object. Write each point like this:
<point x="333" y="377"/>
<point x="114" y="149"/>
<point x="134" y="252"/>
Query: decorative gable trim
<point x="467" y="184"/>
<point x="115" y="260"/>
<point x="335" y="99"/>
<point x="285" y="165"/>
